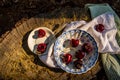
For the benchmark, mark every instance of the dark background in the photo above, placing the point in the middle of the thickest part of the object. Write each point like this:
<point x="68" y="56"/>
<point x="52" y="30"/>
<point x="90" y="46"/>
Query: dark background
<point x="11" y="11"/>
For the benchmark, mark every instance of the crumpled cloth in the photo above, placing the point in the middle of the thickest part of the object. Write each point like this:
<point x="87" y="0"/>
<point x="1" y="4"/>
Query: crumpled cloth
<point x="111" y="62"/>
<point x="106" y="41"/>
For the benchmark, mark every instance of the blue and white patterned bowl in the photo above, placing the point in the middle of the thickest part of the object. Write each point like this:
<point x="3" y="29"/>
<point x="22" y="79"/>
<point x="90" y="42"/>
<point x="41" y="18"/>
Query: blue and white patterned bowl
<point x="88" y="61"/>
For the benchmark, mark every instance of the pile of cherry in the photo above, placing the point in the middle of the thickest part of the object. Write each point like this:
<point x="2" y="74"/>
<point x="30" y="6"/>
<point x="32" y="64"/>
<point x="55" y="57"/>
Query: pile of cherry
<point x="42" y="46"/>
<point x="67" y="57"/>
<point x="80" y="54"/>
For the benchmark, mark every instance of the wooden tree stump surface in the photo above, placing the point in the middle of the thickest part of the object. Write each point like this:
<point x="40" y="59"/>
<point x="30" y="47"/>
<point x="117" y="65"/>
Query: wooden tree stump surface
<point x="17" y="62"/>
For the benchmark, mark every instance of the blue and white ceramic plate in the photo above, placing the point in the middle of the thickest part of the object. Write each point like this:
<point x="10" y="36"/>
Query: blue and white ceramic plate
<point x="59" y="49"/>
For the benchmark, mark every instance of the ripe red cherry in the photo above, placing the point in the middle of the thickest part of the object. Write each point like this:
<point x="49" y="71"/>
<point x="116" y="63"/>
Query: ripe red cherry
<point x="80" y="54"/>
<point x="78" y="63"/>
<point x="87" y="47"/>
<point x="74" y="42"/>
<point x="41" y="47"/>
<point x="67" y="58"/>
<point x="99" y="27"/>
<point x="41" y="33"/>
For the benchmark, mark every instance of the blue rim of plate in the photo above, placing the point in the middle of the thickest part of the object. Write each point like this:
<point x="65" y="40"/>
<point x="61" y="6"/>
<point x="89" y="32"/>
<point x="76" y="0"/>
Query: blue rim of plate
<point x="93" y="59"/>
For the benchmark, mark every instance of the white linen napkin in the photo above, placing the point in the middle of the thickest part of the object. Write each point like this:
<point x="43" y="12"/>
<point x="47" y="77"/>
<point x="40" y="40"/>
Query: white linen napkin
<point x="106" y="41"/>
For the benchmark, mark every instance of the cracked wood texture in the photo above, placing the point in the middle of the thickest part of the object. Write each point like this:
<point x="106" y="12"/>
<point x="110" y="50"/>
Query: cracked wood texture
<point x="17" y="62"/>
